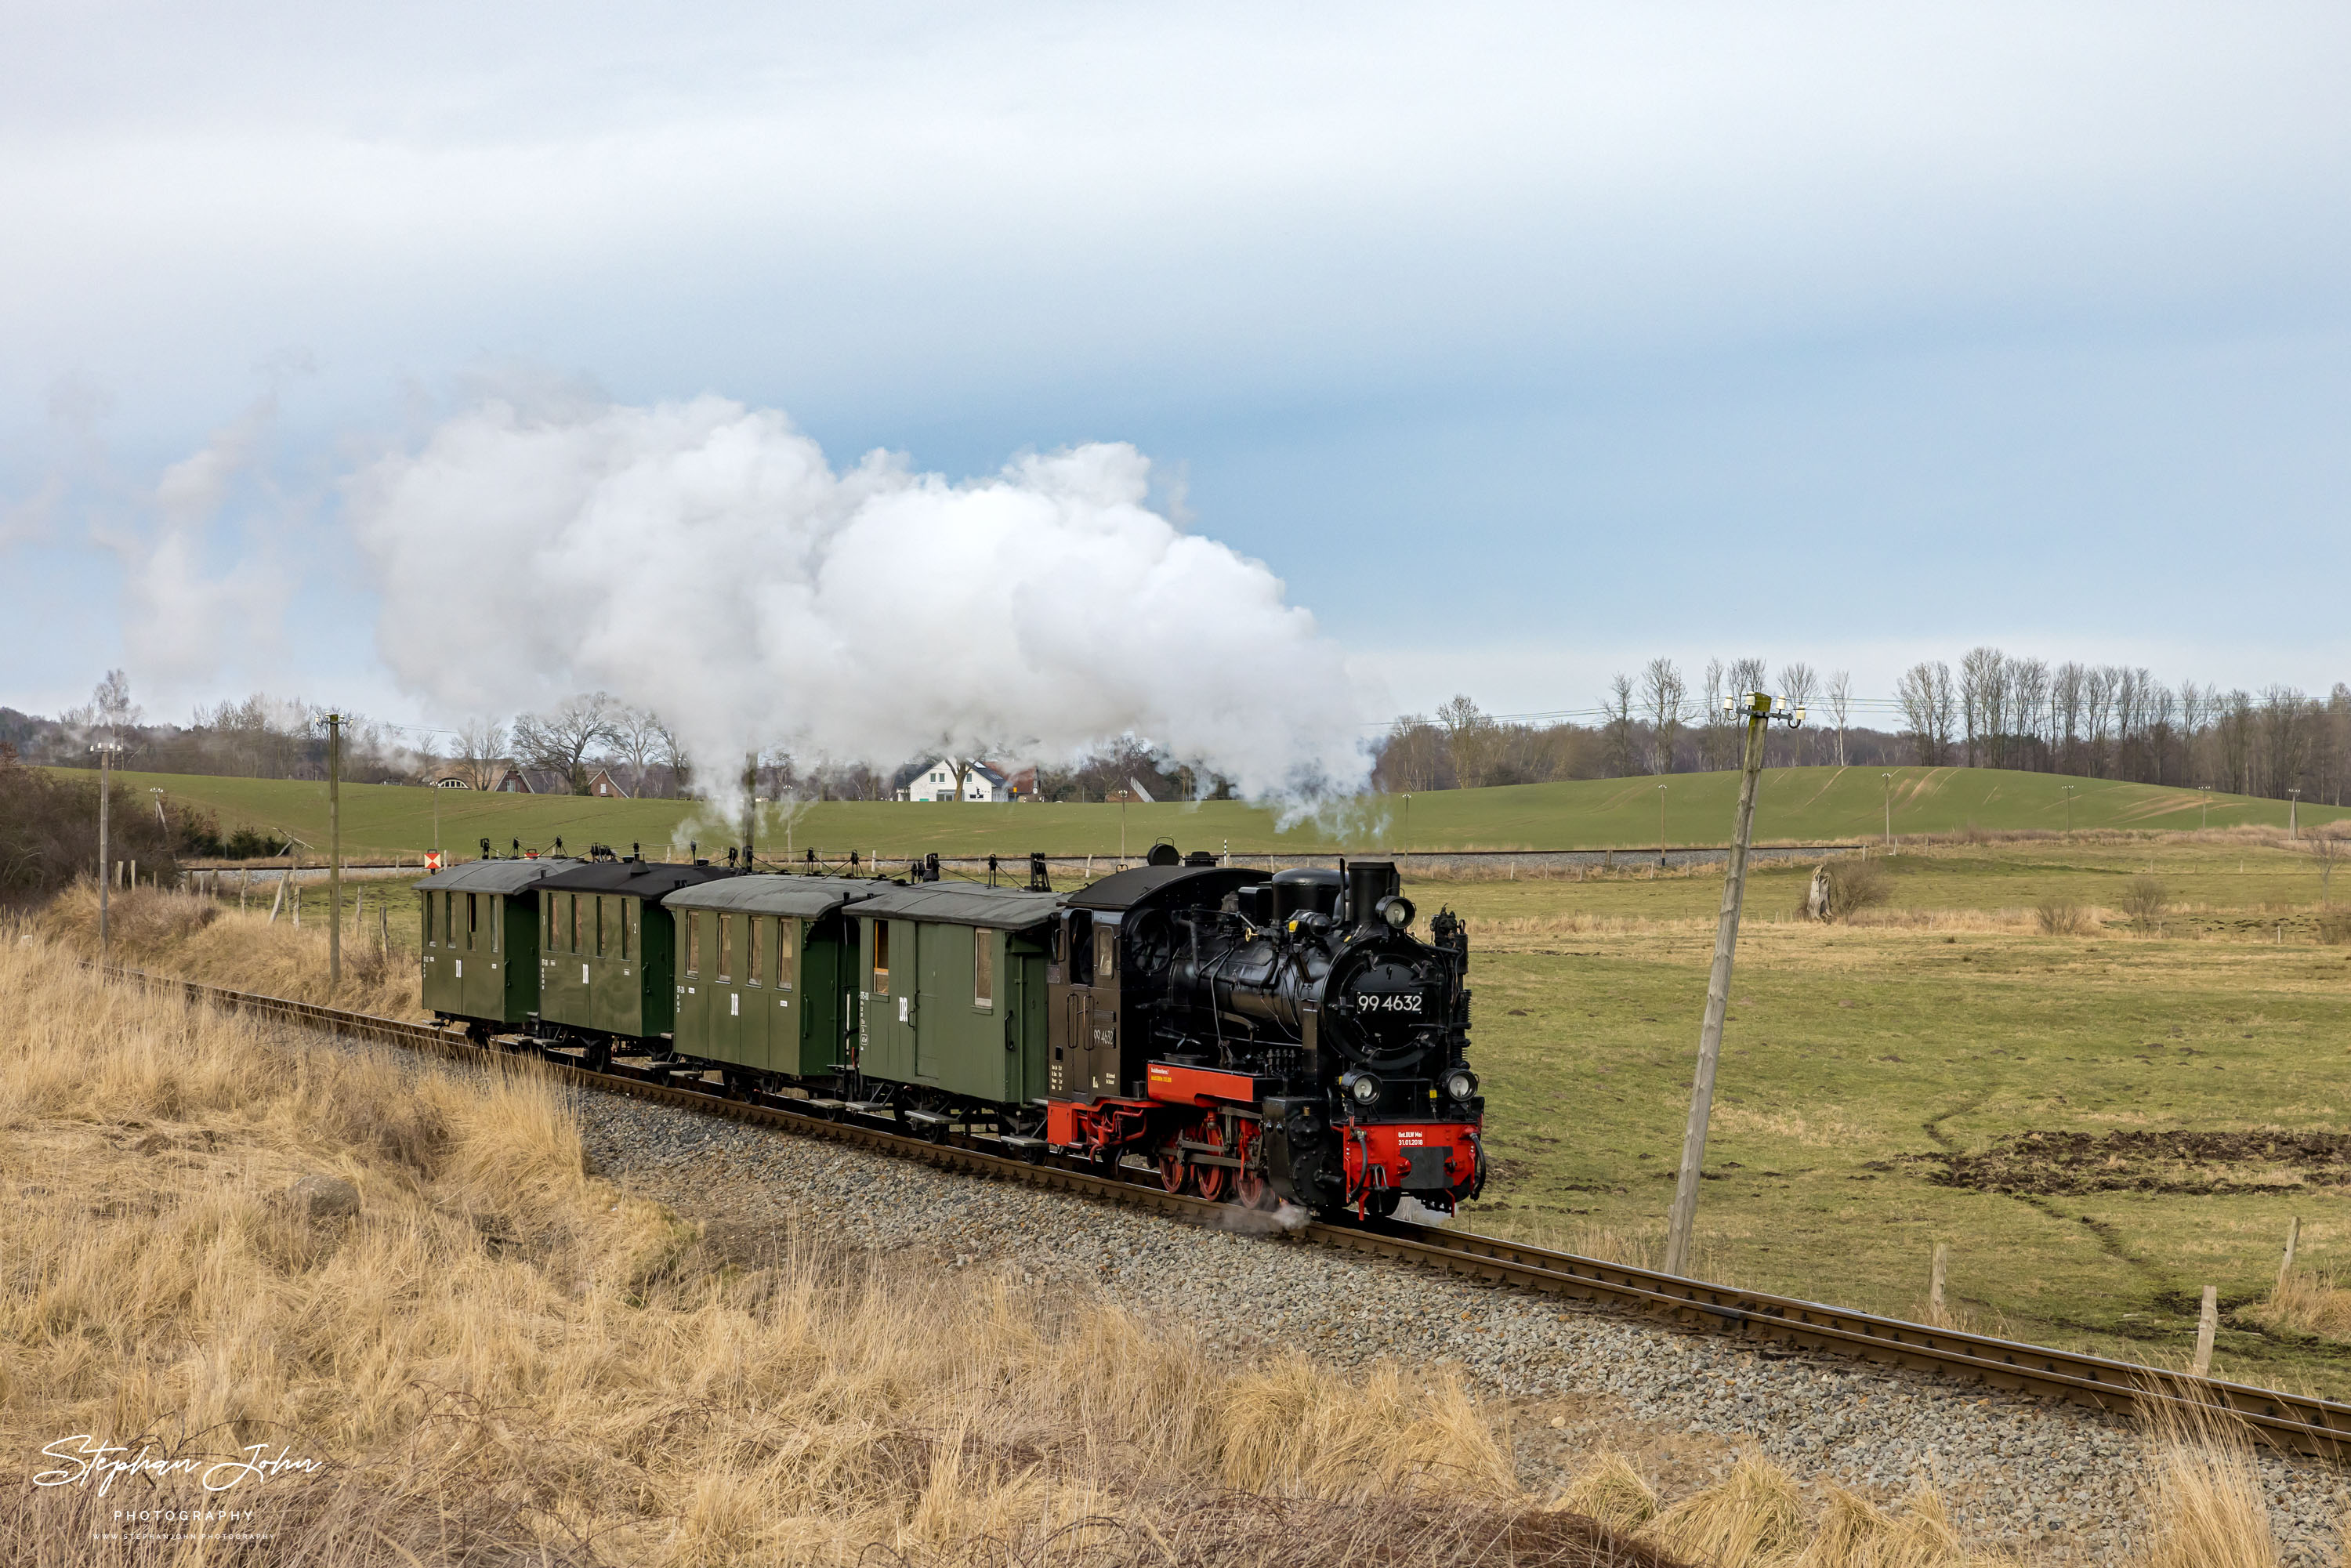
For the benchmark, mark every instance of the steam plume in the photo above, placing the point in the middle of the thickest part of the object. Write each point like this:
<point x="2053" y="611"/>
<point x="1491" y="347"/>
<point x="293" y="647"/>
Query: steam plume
<point x="702" y="560"/>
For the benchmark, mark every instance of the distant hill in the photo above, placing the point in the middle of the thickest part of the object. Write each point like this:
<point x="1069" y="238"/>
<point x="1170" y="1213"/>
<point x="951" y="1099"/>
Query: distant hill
<point x="1800" y="804"/>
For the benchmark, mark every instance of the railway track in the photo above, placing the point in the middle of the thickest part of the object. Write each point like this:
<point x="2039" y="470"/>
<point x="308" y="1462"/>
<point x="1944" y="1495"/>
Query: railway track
<point x="2292" y="1422"/>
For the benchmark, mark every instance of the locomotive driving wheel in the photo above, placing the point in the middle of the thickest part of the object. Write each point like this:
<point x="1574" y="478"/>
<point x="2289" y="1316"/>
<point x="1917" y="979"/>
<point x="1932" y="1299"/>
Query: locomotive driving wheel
<point x="1174" y="1168"/>
<point x="1210" y="1181"/>
<point x="1252" y="1188"/>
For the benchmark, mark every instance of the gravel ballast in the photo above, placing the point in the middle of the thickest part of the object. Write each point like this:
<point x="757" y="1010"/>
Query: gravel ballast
<point x="2061" y="1481"/>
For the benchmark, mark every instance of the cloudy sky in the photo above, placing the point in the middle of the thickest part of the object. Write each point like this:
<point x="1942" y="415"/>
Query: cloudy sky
<point x="1520" y="343"/>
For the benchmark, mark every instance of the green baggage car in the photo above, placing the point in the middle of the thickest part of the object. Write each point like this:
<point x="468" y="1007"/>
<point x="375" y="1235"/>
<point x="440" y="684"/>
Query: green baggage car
<point x="606" y="956"/>
<point x="951" y="992"/>
<point x="481" y="933"/>
<point x="767" y="978"/>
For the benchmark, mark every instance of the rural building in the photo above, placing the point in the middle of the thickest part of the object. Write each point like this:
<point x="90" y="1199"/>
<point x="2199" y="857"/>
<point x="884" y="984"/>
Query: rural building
<point x="601" y="783"/>
<point x="935" y="780"/>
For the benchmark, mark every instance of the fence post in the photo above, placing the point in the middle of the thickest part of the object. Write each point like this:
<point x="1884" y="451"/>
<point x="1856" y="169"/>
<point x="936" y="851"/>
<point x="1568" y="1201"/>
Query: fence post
<point x="2206" y="1322"/>
<point x="1935" y="1282"/>
<point x="2293" y="1235"/>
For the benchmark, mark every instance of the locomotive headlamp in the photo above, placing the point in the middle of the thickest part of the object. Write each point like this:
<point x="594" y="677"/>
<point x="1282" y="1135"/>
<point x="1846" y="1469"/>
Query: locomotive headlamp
<point x="1362" y="1088"/>
<point x="1460" y="1083"/>
<point x="1396" y="910"/>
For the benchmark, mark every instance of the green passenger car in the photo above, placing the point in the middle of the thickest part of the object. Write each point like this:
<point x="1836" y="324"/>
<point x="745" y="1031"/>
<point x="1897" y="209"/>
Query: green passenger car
<point x="606" y="956"/>
<point x="766" y="975"/>
<point x="480" y="928"/>
<point x="951" y="983"/>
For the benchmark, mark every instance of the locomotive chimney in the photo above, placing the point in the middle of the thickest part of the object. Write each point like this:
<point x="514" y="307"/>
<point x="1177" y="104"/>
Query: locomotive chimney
<point x="1368" y="882"/>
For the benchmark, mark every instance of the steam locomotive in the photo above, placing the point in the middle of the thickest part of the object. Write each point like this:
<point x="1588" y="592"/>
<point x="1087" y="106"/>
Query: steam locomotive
<point x="1270" y="1038"/>
<point x="1255" y="1039"/>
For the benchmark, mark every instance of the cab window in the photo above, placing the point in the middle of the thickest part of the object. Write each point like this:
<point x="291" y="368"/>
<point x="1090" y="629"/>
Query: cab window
<point x="1106" y="951"/>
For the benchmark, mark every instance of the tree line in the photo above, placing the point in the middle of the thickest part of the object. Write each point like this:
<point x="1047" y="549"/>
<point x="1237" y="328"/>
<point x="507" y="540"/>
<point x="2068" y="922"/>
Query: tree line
<point x="560" y="748"/>
<point x="2097" y="721"/>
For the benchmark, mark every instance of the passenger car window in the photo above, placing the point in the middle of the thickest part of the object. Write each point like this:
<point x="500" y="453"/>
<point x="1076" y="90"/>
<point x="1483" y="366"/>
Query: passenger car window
<point x="983" y="967"/>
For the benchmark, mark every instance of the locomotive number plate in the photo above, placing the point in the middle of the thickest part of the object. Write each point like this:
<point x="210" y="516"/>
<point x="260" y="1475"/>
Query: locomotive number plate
<point x="1391" y="1002"/>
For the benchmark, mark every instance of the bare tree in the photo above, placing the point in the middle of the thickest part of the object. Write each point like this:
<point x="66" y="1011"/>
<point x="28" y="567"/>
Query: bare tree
<point x="1840" y="704"/>
<point x="1716" y="741"/>
<point x="673" y="756"/>
<point x="110" y="703"/>
<point x="1979" y="672"/>
<point x="637" y="734"/>
<point x="560" y="740"/>
<point x="1469" y="737"/>
<point x="2327" y="846"/>
<point x="481" y="747"/>
<point x="1411" y="755"/>
<point x="1800" y="684"/>
<point x="1927" y="700"/>
<point x="2028" y="703"/>
<point x="1666" y="701"/>
<point x="1619" y="726"/>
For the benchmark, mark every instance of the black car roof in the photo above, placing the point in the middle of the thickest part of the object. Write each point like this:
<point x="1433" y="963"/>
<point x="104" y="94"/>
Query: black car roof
<point x="1123" y="889"/>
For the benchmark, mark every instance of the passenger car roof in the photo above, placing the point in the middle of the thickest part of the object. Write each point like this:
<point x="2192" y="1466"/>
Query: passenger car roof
<point x="494" y="875"/>
<point x="802" y="897"/>
<point x="959" y="903"/>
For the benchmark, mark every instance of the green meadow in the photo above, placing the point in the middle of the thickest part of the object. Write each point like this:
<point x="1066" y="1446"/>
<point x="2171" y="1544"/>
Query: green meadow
<point x="1806" y="805"/>
<point x="2098" y="1124"/>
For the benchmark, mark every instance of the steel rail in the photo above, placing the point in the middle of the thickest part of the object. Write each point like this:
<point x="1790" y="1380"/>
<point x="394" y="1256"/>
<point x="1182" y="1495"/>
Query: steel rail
<point x="2294" y="1422"/>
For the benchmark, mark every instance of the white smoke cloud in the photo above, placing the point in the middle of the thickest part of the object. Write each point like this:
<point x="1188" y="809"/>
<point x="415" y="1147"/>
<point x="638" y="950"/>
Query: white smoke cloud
<point x="704" y="559"/>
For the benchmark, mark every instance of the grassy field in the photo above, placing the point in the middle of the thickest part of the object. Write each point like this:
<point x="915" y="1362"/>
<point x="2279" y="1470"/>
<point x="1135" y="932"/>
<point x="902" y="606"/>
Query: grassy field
<point x="1812" y="805"/>
<point x="1882" y="1083"/>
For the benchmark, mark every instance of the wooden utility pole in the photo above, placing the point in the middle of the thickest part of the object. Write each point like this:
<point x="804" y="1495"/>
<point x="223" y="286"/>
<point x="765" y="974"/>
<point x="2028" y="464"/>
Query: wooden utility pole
<point x="106" y="751"/>
<point x="1718" y="991"/>
<point x="334" y="849"/>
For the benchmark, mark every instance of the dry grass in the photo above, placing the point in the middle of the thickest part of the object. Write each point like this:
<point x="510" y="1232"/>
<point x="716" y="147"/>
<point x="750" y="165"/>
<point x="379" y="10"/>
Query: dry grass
<point x="193" y="937"/>
<point x="2307" y="1304"/>
<point x="498" y="1354"/>
<point x="503" y="1359"/>
<point x="2204" y="1493"/>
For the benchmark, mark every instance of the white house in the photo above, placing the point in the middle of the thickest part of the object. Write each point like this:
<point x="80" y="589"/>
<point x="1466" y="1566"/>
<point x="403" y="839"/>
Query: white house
<point x="935" y="780"/>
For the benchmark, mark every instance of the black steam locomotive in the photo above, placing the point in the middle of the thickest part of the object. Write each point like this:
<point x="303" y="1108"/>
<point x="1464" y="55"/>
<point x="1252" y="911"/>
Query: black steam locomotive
<point x="1267" y="1038"/>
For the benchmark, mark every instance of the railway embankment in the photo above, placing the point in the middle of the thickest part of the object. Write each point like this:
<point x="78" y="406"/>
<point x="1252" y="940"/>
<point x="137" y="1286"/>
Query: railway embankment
<point x="2052" y="1482"/>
